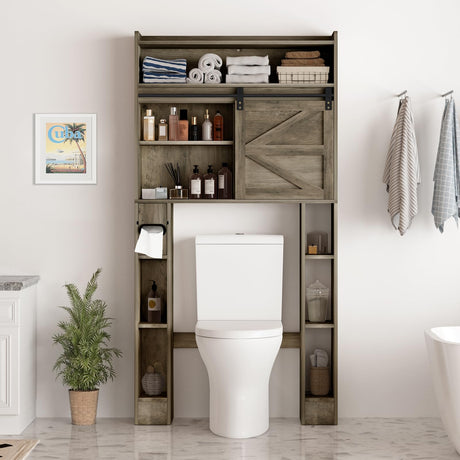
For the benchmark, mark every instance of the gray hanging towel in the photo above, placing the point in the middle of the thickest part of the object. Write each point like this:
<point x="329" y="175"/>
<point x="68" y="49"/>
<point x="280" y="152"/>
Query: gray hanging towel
<point x="446" y="172"/>
<point x="402" y="171"/>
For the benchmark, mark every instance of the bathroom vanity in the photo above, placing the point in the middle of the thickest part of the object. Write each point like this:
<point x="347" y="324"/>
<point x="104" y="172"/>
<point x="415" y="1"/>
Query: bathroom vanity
<point x="281" y="143"/>
<point x="17" y="352"/>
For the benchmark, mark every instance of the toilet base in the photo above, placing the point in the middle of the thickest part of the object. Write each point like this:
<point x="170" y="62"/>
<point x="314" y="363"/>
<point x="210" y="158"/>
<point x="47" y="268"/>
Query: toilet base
<point x="239" y="373"/>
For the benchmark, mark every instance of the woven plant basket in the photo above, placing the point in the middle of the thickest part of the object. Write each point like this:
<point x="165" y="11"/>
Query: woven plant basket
<point x="83" y="407"/>
<point x="319" y="381"/>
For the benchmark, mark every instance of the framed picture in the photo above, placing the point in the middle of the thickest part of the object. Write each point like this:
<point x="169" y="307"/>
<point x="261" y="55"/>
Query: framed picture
<point x="65" y="148"/>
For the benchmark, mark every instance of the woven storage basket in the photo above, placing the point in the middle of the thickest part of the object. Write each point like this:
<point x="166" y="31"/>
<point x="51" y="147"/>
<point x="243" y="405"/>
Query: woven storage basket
<point x="319" y="381"/>
<point x="83" y="407"/>
<point x="301" y="75"/>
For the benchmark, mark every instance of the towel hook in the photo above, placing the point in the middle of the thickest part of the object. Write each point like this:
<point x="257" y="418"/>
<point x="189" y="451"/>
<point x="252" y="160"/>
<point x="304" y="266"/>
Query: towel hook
<point x="449" y="93"/>
<point x="403" y="94"/>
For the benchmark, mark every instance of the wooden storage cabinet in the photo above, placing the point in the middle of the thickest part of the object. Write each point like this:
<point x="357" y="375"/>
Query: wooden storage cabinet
<point x="287" y="150"/>
<point x="280" y="141"/>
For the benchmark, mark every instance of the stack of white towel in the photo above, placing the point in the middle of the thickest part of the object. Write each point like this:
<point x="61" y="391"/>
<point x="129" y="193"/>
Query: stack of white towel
<point x="207" y="70"/>
<point x="247" y="69"/>
<point x="164" y="71"/>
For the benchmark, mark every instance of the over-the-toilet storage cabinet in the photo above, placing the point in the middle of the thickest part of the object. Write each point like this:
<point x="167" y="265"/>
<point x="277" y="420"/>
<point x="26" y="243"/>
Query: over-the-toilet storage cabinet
<point x="281" y="143"/>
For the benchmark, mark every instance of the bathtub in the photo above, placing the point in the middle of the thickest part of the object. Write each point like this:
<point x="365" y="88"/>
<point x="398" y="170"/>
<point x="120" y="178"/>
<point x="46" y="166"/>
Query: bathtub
<point x="443" y="344"/>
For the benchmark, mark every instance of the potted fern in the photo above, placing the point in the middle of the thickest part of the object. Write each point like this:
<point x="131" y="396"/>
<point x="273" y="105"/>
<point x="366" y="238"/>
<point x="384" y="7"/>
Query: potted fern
<point x="86" y="360"/>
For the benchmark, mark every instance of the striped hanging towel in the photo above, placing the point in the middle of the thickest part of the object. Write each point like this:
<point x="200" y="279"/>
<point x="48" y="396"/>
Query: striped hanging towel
<point x="446" y="173"/>
<point x="402" y="171"/>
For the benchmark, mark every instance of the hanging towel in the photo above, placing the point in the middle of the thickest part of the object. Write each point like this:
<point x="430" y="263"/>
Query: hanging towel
<point x="209" y="61"/>
<point x="257" y="78"/>
<point x="213" y="76"/>
<point x="247" y="60"/>
<point x="402" y="171"/>
<point x="195" y="76"/>
<point x="161" y="77"/>
<point x="248" y="69"/>
<point x="151" y="64"/>
<point x="446" y="173"/>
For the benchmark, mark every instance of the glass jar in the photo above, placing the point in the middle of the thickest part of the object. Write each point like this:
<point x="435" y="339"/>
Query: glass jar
<point x="317" y="302"/>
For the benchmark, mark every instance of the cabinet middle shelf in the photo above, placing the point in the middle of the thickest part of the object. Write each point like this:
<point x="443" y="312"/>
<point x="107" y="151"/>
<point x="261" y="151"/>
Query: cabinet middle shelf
<point x="189" y="143"/>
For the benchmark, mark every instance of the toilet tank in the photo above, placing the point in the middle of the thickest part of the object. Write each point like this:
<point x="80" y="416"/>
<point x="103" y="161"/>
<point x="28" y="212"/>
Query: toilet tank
<point x="239" y="277"/>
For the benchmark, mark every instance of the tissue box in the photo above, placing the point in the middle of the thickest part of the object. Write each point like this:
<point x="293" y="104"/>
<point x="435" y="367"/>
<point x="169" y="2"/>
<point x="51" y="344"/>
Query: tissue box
<point x="148" y="193"/>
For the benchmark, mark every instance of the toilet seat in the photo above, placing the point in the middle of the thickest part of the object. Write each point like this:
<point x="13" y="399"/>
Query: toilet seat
<point x="238" y="329"/>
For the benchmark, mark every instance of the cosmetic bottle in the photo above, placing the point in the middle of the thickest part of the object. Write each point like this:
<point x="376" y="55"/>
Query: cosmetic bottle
<point x="206" y="132"/>
<point x="196" y="184"/>
<point x="224" y="183"/>
<point x="194" y="130"/>
<point x="163" y="130"/>
<point x="149" y="126"/>
<point x="183" y="125"/>
<point x="153" y="305"/>
<point x="173" y="125"/>
<point x="218" y="127"/>
<point x="209" y="180"/>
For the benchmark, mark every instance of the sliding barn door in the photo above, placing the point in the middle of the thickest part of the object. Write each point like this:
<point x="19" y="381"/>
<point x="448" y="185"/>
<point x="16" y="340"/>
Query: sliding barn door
<point x="285" y="150"/>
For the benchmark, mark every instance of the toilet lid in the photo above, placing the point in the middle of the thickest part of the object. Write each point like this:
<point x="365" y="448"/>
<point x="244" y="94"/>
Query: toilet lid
<point x="238" y="329"/>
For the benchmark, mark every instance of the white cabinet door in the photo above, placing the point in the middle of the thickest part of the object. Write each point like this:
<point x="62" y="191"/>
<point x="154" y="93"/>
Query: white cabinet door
<point x="9" y="371"/>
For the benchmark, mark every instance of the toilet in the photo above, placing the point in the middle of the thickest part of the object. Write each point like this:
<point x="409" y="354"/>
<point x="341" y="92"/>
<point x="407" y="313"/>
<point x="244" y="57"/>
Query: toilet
<point x="239" y="331"/>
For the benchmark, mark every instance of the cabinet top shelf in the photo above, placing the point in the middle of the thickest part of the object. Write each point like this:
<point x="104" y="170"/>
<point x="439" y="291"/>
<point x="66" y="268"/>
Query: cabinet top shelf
<point x="192" y="143"/>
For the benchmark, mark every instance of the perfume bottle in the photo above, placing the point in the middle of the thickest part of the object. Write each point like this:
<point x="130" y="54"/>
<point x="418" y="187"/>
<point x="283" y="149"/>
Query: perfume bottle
<point x="194" y="130"/>
<point x="218" y="127"/>
<point x="173" y="125"/>
<point x="149" y="126"/>
<point x="153" y="305"/>
<point x="163" y="130"/>
<point x="207" y="128"/>
<point x="196" y="184"/>
<point x="209" y="184"/>
<point x="224" y="183"/>
<point x="183" y="125"/>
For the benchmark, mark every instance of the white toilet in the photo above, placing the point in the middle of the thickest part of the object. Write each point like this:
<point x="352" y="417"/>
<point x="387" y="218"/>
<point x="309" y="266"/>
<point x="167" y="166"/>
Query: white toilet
<point x="239" y="295"/>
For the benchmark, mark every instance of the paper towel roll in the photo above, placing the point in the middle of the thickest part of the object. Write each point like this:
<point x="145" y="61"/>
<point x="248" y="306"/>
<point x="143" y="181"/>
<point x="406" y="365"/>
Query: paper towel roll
<point x="150" y="241"/>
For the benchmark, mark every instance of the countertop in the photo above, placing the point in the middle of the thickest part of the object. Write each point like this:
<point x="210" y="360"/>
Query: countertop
<point x="17" y="283"/>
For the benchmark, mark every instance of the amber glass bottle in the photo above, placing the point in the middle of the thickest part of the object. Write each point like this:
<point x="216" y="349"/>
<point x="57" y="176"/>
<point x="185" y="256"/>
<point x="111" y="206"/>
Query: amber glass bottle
<point x="196" y="184"/>
<point x="218" y="127"/>
<point x="209" y="179"/>
<point x="224" y="183"/>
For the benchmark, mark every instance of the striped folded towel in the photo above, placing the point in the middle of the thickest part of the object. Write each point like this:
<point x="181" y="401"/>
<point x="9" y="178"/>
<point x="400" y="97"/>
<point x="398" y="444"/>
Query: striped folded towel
<point x="446" y="193"/>
<point x="402" y="171"/>
<point x="151" y="64"/>
<point x="163" y="77"/>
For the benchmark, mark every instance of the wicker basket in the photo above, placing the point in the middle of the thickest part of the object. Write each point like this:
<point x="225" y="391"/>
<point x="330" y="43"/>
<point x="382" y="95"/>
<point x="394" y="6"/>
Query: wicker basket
<point x="83" y="407"/>
<point x="319" y="381"/>
<point x="301" y="75"/>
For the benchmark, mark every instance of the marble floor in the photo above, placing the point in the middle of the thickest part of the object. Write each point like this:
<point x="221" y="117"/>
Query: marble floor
<point x="372" y="438"/>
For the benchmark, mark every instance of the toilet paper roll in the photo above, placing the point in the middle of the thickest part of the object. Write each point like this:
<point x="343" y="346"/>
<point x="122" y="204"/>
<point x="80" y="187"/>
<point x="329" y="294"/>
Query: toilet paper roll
<point x="150" y="241"/>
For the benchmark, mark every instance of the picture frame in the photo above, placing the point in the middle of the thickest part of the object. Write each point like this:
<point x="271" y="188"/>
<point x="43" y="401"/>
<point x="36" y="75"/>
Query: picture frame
<point x="65" y="148"/>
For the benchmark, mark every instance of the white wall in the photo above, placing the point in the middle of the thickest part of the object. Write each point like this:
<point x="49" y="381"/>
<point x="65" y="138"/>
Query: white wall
<point x="58" y="57"/>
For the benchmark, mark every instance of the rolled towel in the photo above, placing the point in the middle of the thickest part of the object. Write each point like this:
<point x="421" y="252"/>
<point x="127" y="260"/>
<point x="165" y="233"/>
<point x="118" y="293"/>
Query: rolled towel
<point x="257" y="78"/>
<point x="151" y="64"/>
<point x="209" y="61"/>
<point x="303" y="62"/>
<point x="247" y="60"/>
<point x="161" y="77"/>
<point x="313" y="360"/>
<point x="248" y="69"/>
<point x="195" y="76"/>
<point x="213" y="76"/>
<point x="302" y="54"/>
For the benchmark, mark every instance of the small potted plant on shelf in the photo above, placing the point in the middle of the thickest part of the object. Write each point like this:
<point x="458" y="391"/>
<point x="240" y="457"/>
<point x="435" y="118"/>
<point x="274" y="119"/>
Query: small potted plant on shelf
<point x="86" y="360"/>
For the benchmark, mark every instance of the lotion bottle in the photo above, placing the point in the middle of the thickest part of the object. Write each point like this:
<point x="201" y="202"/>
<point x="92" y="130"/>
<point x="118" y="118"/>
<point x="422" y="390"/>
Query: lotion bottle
<point x="209" y="180"/>
<point x="207" y="128"/>
<point x="218" y="127"/>
<point x="224" y="183"/>
<point x="183" y="125"/>
<point x="149" y="126"/>
<point x="196" y="184"/>
<point x="173" y="125"/>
